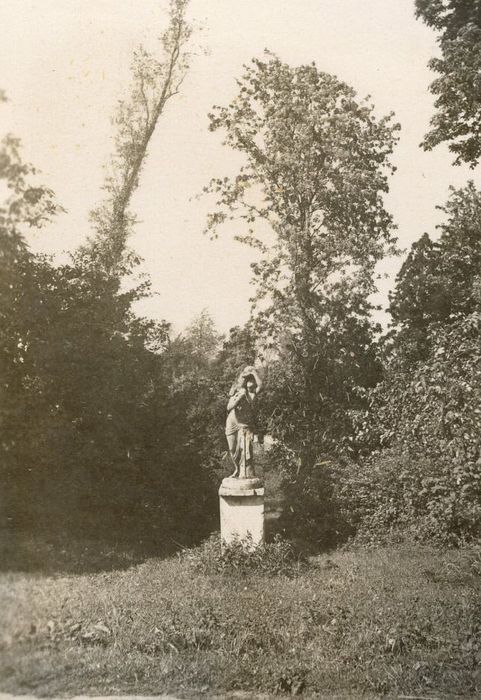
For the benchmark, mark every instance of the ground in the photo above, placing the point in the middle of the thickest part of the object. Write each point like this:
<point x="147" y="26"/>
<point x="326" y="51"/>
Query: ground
<point x="88" y="619"/>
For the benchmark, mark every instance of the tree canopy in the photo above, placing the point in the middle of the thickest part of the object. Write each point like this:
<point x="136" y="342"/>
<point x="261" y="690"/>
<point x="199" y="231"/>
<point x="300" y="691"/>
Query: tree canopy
<point x="424" y="417"/>
<point x="317" y="166"/>
<point x="457" y="88"/>
<point x="440" y="280"/>
<point x="309" y="198"/>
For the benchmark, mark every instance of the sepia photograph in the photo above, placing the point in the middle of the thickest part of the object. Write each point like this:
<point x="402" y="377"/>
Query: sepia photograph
<point x="240" y="349"/>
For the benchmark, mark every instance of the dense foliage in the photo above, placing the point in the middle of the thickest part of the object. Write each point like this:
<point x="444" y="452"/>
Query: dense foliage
<point x="94" y="430"/>
<point x="427" y="475"/>
<point x="457" y="88"/>
<point x="427" y="409"/>
<point x="96" y="421"/>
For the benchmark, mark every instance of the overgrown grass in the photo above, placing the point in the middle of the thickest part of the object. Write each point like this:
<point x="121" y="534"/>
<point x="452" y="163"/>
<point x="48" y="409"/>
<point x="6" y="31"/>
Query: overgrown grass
<point x="242" y="558"/>
<point x="362" y="623"/>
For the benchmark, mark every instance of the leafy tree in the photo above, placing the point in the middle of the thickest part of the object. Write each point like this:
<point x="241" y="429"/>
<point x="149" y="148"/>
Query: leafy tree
<point x="95" y="437"/>
<point x="202" y="336"/>
<point x="440" y="280"/>
<point x="96" y="434"/>
<point x="154" y="82"/>
<point x="27" y="204"/>
<point x="238" y="351"/>
<point x="422" y="431"/>
<point x="423" y="437"/>
<point x="436" y="300"/>
<point x="310" y="196"/>
<point x="458" y="88"/>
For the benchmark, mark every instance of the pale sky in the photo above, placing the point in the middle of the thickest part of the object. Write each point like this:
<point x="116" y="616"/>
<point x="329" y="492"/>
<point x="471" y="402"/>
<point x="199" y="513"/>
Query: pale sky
<point x="64" y="63"/>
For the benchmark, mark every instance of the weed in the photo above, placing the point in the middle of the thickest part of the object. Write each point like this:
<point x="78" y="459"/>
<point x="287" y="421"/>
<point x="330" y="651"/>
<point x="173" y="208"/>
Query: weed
<point x="241" y="558"/>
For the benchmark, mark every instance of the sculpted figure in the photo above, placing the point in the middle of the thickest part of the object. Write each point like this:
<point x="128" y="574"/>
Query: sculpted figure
<point x="241" y="422"/>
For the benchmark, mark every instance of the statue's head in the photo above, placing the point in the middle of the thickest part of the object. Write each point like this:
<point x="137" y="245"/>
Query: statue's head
<point x="247" y="380"/>
<point x="250" y="383"/>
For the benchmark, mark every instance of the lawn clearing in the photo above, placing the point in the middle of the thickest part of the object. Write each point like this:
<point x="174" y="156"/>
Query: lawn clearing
<point x="401" y="620"/>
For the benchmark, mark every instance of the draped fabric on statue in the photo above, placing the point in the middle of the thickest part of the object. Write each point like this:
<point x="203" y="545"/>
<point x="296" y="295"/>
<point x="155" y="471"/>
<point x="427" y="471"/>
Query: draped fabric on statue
<point x="244" y="452"/>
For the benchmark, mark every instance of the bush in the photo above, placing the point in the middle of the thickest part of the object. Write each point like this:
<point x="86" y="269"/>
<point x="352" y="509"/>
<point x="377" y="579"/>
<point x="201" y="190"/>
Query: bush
<point x="432" y="406"/>
<point x="96" y="434"/>
<point x="392" y="495"/>
<point x="242" y="557"/>
<point x="312" y="515"/>
<point x="423" y="433"/>
<point x="423" y="498"/>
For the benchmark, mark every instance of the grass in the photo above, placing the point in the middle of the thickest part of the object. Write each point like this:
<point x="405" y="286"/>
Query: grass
<point x="398" y="621"/>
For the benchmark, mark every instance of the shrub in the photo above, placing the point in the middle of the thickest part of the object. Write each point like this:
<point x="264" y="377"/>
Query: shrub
<point x="427" y="499"/>
<point x="242" y="557"/>
<point x="423" y="431"/>
<point x="312" y="514"/>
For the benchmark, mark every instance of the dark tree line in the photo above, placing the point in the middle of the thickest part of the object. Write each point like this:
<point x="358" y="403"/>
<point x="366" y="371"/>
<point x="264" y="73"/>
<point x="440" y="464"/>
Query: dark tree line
<point x="95" y="421"/>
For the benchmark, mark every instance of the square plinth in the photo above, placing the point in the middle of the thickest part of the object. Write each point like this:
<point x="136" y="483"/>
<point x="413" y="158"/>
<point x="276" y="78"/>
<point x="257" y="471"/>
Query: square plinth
<point x="242" y="515"/>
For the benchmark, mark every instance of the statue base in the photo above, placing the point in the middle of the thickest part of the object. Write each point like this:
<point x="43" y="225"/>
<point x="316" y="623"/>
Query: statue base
<point x="242" y="511"/>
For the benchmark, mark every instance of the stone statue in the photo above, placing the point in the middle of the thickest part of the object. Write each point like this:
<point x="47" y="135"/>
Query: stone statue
<point x="241" y="423"/>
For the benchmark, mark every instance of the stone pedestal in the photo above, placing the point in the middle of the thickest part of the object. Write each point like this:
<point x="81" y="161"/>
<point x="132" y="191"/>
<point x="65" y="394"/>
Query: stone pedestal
<point x="242" y="510"/>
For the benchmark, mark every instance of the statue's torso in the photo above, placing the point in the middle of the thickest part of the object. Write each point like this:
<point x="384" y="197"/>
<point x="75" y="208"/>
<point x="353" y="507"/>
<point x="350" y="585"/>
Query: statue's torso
<point x="242" y="416"/>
